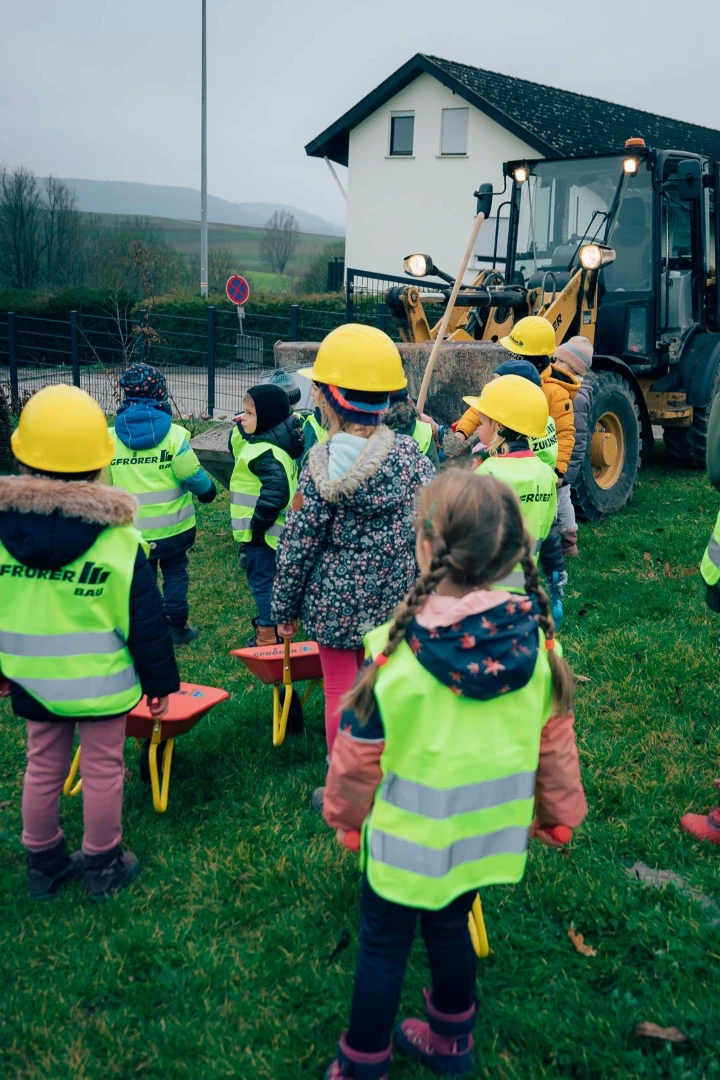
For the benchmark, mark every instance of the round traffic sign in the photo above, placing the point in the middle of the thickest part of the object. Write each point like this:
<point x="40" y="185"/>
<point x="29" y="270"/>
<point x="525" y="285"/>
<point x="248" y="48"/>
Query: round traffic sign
<point x="237" y="290"/>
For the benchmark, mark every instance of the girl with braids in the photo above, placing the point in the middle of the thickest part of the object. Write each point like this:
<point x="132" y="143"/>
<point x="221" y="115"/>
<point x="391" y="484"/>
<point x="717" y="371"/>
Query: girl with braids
<point x="457" y="732"/>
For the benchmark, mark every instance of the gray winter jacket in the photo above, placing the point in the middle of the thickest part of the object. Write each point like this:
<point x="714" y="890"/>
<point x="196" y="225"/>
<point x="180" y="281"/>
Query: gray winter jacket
<point x="582" y="405"/>
<point x="346" y="556"/>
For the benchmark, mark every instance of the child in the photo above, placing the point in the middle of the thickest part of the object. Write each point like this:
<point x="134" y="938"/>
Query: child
<point x="707" y="826"/>
<point x="546" y="447"/>
<point x="457" y="731"/>
<point x="403" y="417"/>
<point x="533" y="339"/>
<point x="574" y="358"/>
<point x="285" y="381"/>
<point x="314" y="429"/>
<point x="267" y="443"/>
<point x="347" y="556"/>
<point x="154" y="462"/>
<point x="83" y="634"/>
<point x="511" y="412"/>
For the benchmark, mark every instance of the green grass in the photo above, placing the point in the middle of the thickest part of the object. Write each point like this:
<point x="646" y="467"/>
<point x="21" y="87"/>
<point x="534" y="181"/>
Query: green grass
<point x="221" y="961"/>
<point x="241" y="240"/>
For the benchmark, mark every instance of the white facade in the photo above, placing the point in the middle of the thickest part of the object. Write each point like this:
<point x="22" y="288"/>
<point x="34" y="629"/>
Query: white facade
<point x="423" y="202"/>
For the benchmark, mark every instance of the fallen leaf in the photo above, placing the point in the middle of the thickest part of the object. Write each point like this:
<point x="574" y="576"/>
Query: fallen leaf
<point x="647" y="556"/>
<point x="249" y="688"/>
<point x="582" y="678"/>
<point x="578" y="941"/>
<point x="4" y="805"/>
<point x="646" y="1030"/>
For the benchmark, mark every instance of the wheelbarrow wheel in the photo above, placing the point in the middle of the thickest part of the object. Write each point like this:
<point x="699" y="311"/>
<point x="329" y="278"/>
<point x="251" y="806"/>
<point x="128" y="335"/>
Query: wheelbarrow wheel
<point x="145" y="760"/>
<point x="295" y="720"/>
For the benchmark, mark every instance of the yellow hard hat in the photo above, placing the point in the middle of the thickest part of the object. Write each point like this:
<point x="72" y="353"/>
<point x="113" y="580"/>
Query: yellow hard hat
<point x="515" y="403"/>
<point x="62" y="429"/>
<point x="358" y="357"/>
<point x="531" y="336"/>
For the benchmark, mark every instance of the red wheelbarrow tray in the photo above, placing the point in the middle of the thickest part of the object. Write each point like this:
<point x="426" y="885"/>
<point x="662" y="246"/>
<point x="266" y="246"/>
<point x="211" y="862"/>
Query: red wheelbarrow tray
<point x="185" y="707"/>
<point x="266" y="662"/>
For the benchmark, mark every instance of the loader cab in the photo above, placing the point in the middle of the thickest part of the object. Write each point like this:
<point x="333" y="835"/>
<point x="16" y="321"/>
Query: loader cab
<point x="653" y="209"/>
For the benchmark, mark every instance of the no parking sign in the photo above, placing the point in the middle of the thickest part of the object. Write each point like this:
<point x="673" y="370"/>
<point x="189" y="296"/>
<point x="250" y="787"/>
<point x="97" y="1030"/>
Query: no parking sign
<point x="237" y="290"/>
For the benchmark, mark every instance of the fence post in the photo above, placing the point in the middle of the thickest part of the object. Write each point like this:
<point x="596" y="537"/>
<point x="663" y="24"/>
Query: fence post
<point x="349" y="296"/>
<point x="211" y="361"/>
<point x="294" y="322"/>
<point x="74" y="349"/>
<point x="12" y="359"/>
<point x="381" y="314"/>
<point x="142" y="316"/>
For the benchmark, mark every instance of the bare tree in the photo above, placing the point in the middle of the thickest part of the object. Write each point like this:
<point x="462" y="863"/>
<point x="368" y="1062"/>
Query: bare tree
<point x="221" y="263"/>
<point x="22" y="240"/>
<point x="279" y="240"/>
<point x="62" y="235"/>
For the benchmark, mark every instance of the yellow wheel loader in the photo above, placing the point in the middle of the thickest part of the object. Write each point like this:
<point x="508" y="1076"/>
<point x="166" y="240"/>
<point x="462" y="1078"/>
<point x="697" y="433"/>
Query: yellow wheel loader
<point x="621" y="249"/>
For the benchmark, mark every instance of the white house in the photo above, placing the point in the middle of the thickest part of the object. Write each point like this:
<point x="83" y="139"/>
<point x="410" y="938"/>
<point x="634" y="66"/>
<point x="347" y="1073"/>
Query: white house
<point x="418" y="146"/>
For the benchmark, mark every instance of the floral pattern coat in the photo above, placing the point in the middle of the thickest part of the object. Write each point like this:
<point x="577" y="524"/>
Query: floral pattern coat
<point x="346" y="556"/>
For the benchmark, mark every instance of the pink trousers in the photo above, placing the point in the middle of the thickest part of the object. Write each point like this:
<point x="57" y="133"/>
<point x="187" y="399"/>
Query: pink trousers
<point x="102" y="766"/>
<point x="339" y="668"/>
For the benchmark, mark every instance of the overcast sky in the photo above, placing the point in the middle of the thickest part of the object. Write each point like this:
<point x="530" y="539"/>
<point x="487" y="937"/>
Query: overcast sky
<point x="111" y="90"/>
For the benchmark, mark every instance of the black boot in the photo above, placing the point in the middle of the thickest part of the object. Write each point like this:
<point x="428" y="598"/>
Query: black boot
<point x="49" y="870"/>
<point x="183" y="634"/>
<point x="109" y="872"/>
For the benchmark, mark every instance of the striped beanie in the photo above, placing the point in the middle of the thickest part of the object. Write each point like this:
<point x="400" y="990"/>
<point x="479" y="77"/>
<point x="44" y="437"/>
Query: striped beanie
<point x="364" y="407"/>
<point x="576" y="354"/>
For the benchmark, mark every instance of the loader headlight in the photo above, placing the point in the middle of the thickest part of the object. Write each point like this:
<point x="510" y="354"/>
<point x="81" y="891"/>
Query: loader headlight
<point x="593" y="256"/>
<point x="521" y="174"/>
<point x="418" y="265"/>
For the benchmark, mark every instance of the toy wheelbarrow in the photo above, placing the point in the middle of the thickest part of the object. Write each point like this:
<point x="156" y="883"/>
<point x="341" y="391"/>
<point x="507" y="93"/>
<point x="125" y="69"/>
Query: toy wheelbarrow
<point x="279" y="666"/>
<point x="185" y="709"/>
<point x="476" y="920"/>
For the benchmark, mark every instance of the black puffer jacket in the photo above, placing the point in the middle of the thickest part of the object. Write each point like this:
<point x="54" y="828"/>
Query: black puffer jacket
<point x="274" y="490"/>
<point x="47" y="524"/>
<point x="402" y="418"/>
<point x="582" y="406"/>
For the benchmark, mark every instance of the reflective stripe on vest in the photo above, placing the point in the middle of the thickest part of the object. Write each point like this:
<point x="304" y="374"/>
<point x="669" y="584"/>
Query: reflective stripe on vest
<point x="72" y="654"/>
<point x="165" y="508"/>
<point x="245" y="489"/>
<point x="423" y="435"/>
<point x="454" y="808"/>
<point x="535" y="485"/>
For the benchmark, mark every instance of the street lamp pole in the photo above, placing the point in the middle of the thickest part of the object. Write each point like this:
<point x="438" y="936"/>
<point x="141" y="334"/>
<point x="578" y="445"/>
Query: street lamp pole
<point x="203" y="165"/>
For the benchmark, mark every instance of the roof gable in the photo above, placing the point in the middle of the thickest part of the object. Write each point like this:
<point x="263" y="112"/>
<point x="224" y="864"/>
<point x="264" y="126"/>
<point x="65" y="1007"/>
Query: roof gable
<point x="556" y="123"/>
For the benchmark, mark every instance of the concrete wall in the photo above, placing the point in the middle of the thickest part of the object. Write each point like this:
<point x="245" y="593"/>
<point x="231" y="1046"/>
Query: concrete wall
<point x="397" y="205"/>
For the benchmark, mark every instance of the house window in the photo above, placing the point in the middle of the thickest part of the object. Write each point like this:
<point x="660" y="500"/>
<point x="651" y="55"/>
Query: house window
<point x="454" y="132"/>
<point x="402" y="130"/>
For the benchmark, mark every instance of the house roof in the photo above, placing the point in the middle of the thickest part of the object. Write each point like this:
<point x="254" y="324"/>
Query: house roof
<point x="556" y="123"/>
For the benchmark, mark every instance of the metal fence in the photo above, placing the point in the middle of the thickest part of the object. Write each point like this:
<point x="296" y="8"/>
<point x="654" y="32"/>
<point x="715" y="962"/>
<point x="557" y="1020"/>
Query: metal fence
<point x="209" y="363"/>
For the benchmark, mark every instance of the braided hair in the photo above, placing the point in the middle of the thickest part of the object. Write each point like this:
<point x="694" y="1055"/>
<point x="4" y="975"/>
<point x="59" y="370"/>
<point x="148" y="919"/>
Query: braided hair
<point x="470" y="529"/>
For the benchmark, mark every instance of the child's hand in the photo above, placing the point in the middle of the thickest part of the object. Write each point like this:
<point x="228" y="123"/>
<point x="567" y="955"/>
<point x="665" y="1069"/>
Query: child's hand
<point x="158" y="706"/>
<point x="348" y="838"/>
<point x="553" y="835"/>
<point x="4" y="687"/>
<point x="287" y="629"/>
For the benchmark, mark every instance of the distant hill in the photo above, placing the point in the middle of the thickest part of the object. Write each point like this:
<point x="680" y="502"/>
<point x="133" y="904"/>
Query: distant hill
<point x="181" y="203"/>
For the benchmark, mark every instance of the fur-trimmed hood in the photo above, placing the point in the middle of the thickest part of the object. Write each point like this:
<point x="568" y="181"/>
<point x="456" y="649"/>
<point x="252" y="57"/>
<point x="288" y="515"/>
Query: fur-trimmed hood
<point x="369" y="484"/>
<point x="50" y="523"/>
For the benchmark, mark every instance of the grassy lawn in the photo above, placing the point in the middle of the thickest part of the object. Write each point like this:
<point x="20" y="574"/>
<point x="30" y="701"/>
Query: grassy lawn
<point x="233" y="954"/>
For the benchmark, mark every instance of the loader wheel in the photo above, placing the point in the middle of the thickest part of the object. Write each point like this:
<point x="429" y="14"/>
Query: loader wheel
<point x="687" y="446"/>
<point x="608" y="473"/>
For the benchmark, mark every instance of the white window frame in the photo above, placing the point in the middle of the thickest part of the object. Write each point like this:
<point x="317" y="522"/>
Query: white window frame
<point x="454" y="109"/>
<point x="395" y="115"/>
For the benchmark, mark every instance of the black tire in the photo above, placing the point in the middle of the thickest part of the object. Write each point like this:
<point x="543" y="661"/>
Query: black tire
<point x="144" y="764"/>
<point x="687" y="446"/>
<point x="295" y="720"/>
<point x="611" y="394"/>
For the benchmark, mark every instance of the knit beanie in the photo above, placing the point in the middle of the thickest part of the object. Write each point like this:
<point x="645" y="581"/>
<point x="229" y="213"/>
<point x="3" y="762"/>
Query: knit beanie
<point x="399" y="395"/>
<point x="271" y="404"/>
<point x="523" y="368"/>
<point x="364" y="407"/>
<point x="577" y="354"/>
<point x="143" y="381"/>
<point x="285" y="381"/>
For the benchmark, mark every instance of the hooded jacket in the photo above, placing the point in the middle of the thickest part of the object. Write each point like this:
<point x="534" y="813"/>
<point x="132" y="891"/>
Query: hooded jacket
<point x="47" y="524"/>
<point x="402" y="418"/>
<point x="464" y="643"/>
<point x="582" y="404"/>
<point x="274" y="491"/>
<point x="346" y="556"/>
<point x="142" y="424"/>
<point x="560" y="389"/>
